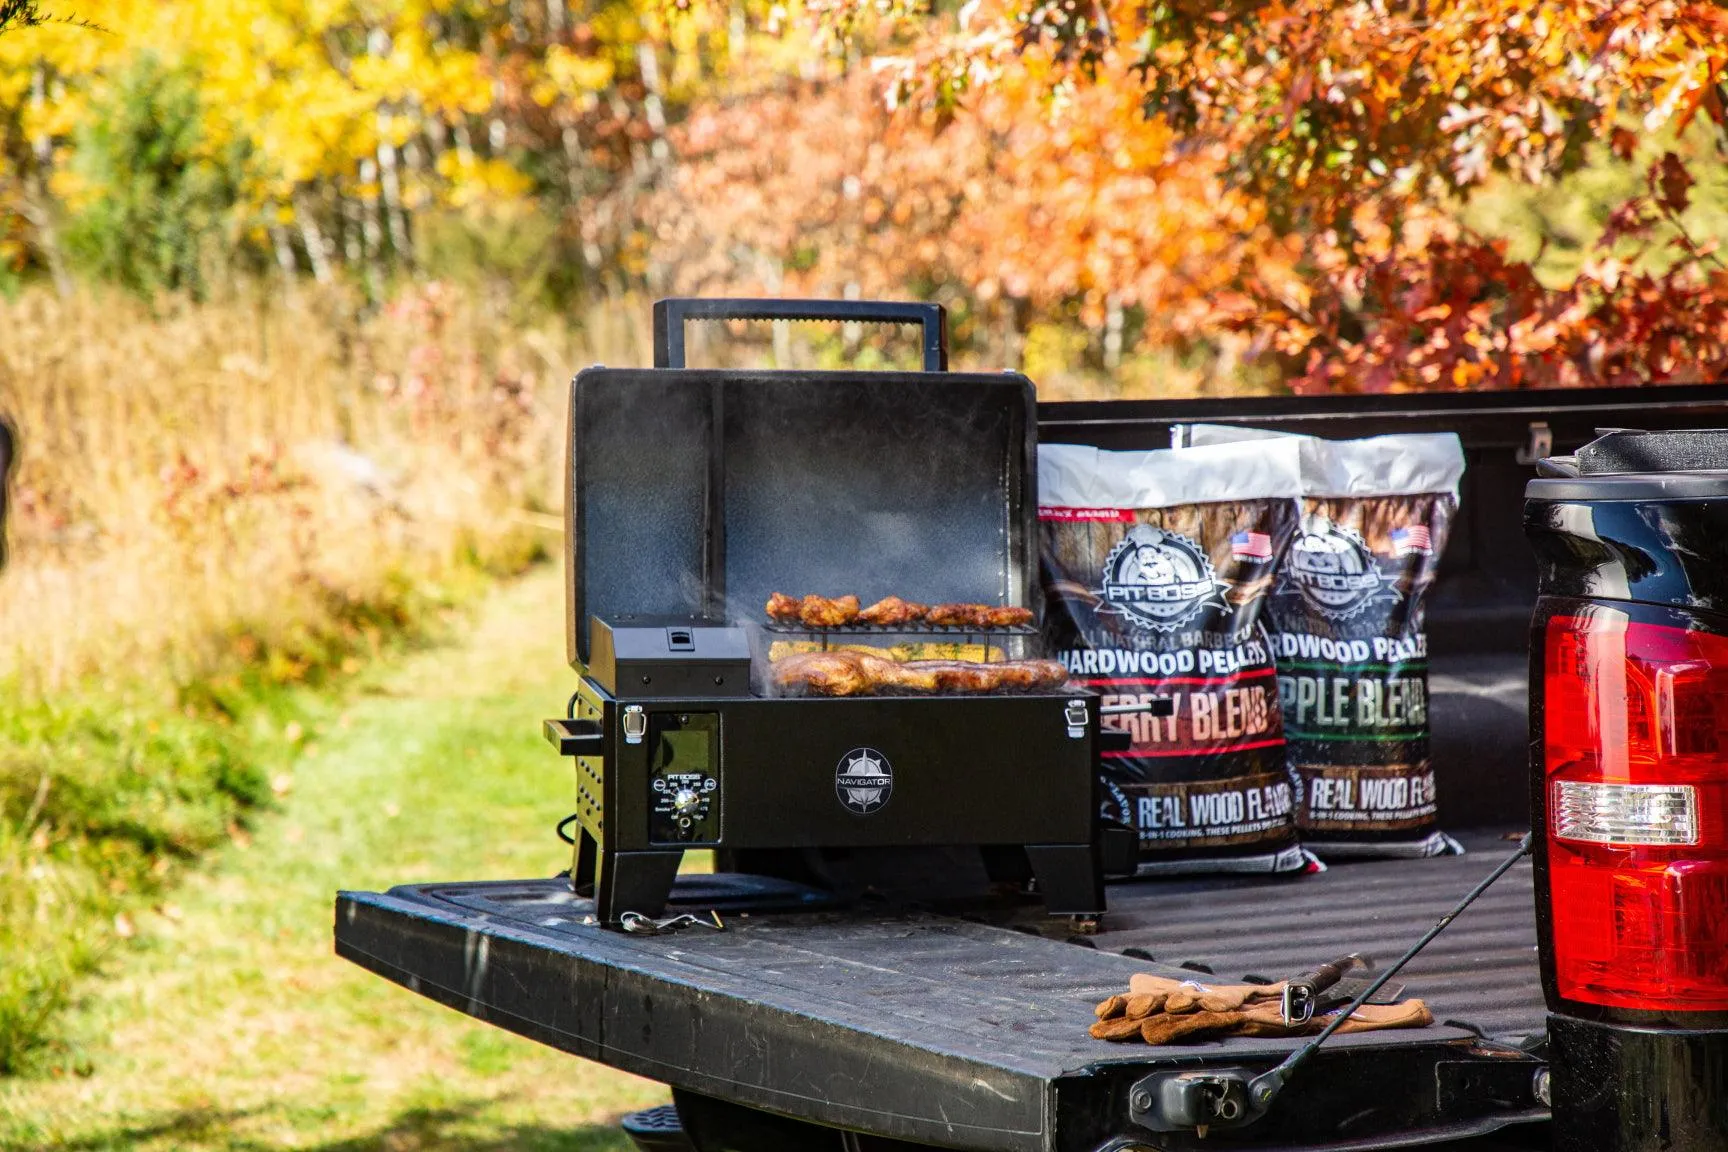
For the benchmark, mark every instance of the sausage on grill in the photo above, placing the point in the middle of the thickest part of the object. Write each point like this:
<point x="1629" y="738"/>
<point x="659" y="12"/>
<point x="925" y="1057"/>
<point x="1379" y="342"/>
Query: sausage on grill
<point x="851" y="673"/>
<point x="822" y="673"/>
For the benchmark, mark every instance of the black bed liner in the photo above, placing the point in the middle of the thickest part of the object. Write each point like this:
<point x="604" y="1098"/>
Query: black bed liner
<point x="1481" y="971"/>
<point x="955" y="1033"/>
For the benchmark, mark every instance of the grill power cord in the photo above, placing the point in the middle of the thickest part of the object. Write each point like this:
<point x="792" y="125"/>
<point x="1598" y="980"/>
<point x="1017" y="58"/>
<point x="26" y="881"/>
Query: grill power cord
<point x="1264" y="1088"/>
<point x="648" y="926"/>
<point x="569" y="714"/>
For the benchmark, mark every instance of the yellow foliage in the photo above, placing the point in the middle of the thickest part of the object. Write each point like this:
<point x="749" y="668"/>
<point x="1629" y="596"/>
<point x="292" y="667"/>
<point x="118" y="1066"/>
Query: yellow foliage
<point x="473" y="181"/>
<point x="421" y="104"/>
<point x="568" y="72"/>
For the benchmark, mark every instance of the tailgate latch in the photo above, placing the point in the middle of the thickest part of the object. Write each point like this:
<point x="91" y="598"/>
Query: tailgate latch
<point x="1192" y="1101"/>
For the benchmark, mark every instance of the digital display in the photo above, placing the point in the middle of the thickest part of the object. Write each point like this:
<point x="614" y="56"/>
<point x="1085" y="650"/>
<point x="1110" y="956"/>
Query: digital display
<point x="683" y="751"/>
<point x="684" y="778"/>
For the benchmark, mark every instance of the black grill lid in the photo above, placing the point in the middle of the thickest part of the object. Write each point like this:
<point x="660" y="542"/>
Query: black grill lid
<point x="701" y="491"/>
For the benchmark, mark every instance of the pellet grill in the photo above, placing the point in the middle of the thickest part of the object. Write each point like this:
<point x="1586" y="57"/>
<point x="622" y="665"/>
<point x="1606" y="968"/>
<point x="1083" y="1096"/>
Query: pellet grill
<point x="696" y="493"/>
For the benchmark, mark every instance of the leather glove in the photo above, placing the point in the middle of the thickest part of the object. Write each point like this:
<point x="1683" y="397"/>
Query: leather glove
<point x="1193" y="996"/>
<point x="1206" y="1012"/>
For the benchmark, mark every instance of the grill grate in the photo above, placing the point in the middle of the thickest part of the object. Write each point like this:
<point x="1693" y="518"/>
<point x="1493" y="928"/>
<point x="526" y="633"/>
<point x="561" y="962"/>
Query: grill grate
<point x="901" y="629"/>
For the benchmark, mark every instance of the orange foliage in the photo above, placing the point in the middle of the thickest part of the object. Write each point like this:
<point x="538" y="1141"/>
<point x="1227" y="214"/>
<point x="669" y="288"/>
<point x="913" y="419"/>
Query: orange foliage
<point x="1279" y="174"/>
<point x="823" y="190"/>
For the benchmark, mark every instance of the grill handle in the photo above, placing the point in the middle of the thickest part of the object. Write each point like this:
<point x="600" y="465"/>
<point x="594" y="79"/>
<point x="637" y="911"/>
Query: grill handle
<point x="575" y="737"/>
<point x="671" y="313"/>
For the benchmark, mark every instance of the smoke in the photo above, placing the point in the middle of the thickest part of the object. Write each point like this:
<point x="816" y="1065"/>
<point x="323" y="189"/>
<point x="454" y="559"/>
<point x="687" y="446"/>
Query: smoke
<point x="876" y="484"/>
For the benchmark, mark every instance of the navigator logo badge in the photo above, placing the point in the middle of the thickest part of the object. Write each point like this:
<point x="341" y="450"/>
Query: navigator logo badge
<point x="863" y="780"/>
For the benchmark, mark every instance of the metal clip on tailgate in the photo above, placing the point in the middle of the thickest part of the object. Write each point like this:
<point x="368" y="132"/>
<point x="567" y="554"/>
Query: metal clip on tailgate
<point x="1301" y="993"/>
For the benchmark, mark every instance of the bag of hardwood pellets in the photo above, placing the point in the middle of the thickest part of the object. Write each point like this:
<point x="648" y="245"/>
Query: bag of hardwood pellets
<point x="1345" y="615"/>
<point x="1156" y="566"/>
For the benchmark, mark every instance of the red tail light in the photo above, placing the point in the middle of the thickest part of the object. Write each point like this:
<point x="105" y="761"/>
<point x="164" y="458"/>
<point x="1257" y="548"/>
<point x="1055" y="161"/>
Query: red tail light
<point x="1636" y="754"/>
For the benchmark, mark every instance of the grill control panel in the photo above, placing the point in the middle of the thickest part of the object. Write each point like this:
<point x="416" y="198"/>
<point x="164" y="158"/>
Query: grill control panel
<point x="684" y="777"/>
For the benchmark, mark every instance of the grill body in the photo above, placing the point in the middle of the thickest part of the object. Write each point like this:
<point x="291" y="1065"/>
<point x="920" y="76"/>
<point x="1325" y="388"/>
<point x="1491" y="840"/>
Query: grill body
<point x="994" y="772"/>
<point x="696" y="493"/>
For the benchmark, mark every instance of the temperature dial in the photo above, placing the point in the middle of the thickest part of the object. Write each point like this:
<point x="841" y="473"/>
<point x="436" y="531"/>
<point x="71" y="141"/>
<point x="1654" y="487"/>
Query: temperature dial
<point x="682" y="807"/>
<point x="684" y="777"/>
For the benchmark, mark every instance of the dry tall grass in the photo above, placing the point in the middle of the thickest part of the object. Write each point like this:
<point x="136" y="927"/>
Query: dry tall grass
<point x="214" y="502"/>
<point x="194" y="472"/>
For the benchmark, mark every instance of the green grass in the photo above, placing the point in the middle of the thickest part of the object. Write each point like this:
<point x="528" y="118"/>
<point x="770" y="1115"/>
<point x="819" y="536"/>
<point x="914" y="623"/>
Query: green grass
<point x="226" y="1022"/>
<point x="108" y="792"/>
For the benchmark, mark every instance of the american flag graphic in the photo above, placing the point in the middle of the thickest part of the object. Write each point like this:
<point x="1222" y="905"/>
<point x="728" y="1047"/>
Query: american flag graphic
<point x="1415" y="538"/>
<point x="1251" y="545"/>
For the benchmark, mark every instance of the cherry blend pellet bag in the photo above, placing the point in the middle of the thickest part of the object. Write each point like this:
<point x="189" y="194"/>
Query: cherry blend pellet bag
<point x="1345" y="614"/>
<point x="1156" y="567"/>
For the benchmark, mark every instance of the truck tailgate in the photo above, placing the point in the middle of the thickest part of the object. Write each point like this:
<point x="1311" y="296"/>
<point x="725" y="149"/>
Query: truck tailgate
<point x="961" y="1034"/>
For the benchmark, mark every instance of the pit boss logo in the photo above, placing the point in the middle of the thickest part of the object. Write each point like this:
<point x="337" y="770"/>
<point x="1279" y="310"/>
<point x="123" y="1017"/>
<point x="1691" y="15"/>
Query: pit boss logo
<point x="1333" y="571"/>
<point x="1159" y="580"/>
<point x="863" y="780"/>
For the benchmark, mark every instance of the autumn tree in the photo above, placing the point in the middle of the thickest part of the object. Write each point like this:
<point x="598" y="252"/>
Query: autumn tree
<point x="313" y="137"/>
<point x="1282" y="181"/>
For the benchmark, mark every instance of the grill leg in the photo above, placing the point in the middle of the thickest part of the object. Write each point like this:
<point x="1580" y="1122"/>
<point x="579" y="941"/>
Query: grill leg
<point x="634" y="882"/>
<point x="1070" y="878"/>
<point x="582" y="868"/>
<point x="1006" y="864"/>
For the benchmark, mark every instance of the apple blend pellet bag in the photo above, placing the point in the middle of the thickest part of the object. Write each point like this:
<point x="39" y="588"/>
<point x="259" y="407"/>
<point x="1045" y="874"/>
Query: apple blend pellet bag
<point x="1346" y="618"/>
<point x="1156" y="568"/>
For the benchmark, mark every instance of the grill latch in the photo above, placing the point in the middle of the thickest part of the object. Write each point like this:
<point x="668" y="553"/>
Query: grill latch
<point x="635" y="723"/>
<point x="1075" y="714"/>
